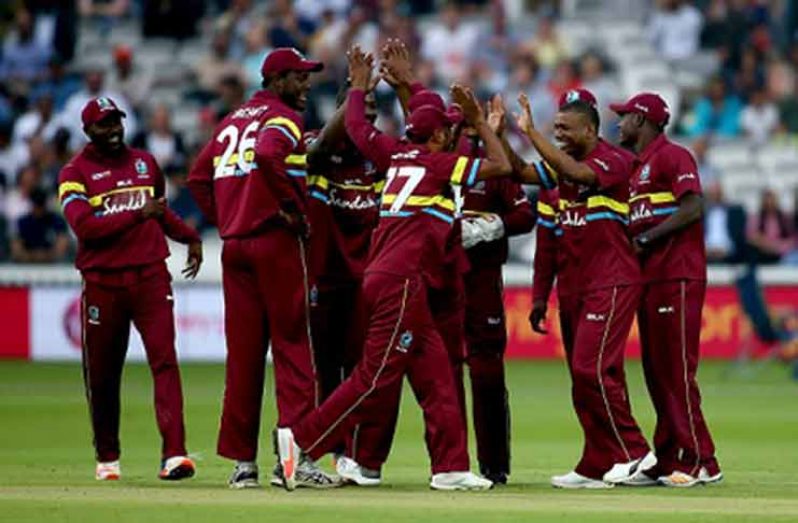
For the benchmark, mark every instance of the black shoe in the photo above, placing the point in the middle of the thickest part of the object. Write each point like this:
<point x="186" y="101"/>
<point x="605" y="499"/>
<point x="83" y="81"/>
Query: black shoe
<point x="498" y="478"/>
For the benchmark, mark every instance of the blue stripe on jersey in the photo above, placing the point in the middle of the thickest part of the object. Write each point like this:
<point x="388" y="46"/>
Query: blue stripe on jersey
<point x="320" y="196"/>
<point x="284" y="131"/>
<point x="606" y="216"/>
<point x="664" y="211"/>
<point x="472" y="175"/>
<point x="297" y="173"/>
<point x="438" y="214"/>
<point x="546" y="223"/>
<point x="72" y="197"/>
<point x="557" y="232"/>
<point x="545" y="180"/>
<point x="397" y="214"/>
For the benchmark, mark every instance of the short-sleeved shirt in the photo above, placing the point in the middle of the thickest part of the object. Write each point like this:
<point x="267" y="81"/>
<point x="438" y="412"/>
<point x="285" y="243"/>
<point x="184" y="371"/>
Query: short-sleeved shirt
<point x="595" y="219"/>
<point x="665" y="173"/>
<point x="417" y="212"/>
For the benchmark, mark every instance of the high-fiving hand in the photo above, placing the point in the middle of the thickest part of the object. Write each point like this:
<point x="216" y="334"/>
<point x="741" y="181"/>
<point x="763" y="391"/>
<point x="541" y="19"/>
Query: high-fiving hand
<point x="395" y="64"/>
<point x="465" y="98"/>
<point x="524" y="120"/>
<point x="361" y="65"/>
<point x="497" y="114"/>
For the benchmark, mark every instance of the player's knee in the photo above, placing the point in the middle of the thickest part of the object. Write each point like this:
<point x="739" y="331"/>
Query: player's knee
<point x="584" y="375"/>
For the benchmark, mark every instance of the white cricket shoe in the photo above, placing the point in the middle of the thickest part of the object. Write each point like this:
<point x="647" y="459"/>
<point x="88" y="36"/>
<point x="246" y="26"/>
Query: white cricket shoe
<point x="640" y="479"/>
<point x="107" y="471"/>
<point x="177" y="468"/>
<point x="678" y="479"/>
<point x="244" y="476"/>
<point x="621" y="472"/>
<point x="288" y="452"/>
<point x="349" y="471"/>
<point x="459" y="481"/>
<point x="574" y="480"/>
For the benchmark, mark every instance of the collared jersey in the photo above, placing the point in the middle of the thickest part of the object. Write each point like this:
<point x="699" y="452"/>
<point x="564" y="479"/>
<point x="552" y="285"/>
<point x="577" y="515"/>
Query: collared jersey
<point x="343" y="208"/>
<point x="595" y="218"/>
<point x="102" y="197"/>
<point x="252" y="168"/>
<point x="665" y="173"/>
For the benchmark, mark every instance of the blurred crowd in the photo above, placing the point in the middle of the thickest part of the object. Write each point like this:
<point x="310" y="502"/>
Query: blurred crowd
<point x="44" y="85"/>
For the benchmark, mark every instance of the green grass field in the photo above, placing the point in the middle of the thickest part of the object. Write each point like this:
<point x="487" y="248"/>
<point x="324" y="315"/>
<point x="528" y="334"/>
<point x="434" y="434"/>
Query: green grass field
<point x="46" y="460"/>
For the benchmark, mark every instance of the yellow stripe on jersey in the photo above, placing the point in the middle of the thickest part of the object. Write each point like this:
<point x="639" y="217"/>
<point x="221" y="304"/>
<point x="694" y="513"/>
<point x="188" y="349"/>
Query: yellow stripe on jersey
<point x="66" y="187"/>
<point x="379" y="186"/>
<point x="655" y="197"/>
<point x="285" y="122"/>
<point x="423" y="201"/>
<point x="323" y="182"/>
<point x="459" y="170"/>
<point x="249" y="156"/>
<point x="296" y="159"/>
<point x="546" y="209"/>
<point x="96" y="201"/>
<point x="604" y="201"/>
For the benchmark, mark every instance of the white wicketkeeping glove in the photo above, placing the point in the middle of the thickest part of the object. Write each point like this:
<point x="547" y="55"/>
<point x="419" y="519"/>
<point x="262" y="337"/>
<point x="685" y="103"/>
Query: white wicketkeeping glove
<point x="483" y="228"/>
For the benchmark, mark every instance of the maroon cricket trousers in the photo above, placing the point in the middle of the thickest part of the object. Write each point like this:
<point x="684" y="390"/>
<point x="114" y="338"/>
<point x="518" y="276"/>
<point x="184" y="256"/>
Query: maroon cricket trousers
<point x="370" y="441"/>
<point x="599" y="392"/>
<point x="486" y="341"/>
<point x="401" y="339"/>
<point x="670" y="328"/>
<point x="265" y="284"/>
<point x="111" y="300"/>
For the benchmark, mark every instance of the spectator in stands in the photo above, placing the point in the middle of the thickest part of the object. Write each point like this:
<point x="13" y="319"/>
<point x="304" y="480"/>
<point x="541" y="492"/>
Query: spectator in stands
<point x="759" y="120"/>
<point x="231" y="94"/>
<point x="94" y="87"/>
<point x="315" y="10"/>
<point x="724" y="227"/>
<point x="751" y="75"/>
<point x="788" y="112"/>
<point x="526" y="78"/>
<point x="594" y="79"/>
<point x="24" y="57"/>
<point x="287" y="28"/>
<point x="164" y="143"/>
<point x="216" y="65"/>
<point x="707" y="170"/>
<point x="180" y="199"/>
<point x="129" y="79"/>
<point x="563" y="79"/>
<point x="106" y="13"/>
<point x="175" y="19"/>
<point x="675" y="29"/>
<point x="448" y="43"/>
<point x="59" y="82"/>
<point x="17" y="201"/>
<point x="39" y="121"/>
<point x="336" y="35"/>
<point x="55" y="156"/>
<point x="13" y="156"/>
<point x="717" y="113"/>
<point x="256" y="51"/>
<point x="769" y="231"/>
<point x="41" y="235"/>
<point x="546" y="45"/>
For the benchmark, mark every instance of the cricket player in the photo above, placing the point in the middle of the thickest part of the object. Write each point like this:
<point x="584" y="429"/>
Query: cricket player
<point x="493" y="210"/>
<point x="593" y="179"/>
<point x="666" y="209"/>
<point x="113" y="199"/>
<point x="405" y="259"/>
<point x="250" y="180"/>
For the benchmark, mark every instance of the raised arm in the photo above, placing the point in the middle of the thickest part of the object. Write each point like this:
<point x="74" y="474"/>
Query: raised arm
<point x="555" y="161"/>
<point x="396" y="69"/>
<point x="495" y="162"/>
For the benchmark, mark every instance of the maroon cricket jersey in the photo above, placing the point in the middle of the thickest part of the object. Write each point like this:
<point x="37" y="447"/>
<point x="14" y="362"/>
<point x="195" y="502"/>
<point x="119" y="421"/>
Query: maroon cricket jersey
<point x="665" y="173"/>
<point x="595" y="218"/>
<point x="253" y="167"/>
<point x="343" y="208"/>
<point x="417" y="206"/>
<point x="102" y="196"/>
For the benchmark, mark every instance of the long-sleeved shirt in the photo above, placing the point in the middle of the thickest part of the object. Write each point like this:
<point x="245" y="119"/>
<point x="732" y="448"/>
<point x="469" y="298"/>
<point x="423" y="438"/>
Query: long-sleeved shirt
<point x="253" y="168"/>
<point x="102" y="197"/>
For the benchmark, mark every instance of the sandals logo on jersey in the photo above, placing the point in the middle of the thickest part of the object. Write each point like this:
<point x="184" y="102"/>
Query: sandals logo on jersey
<point x="405" y="340"/>
<point x="94" y="314"/>
<point x="141" y="167"/>
<point x="126" y="201"/>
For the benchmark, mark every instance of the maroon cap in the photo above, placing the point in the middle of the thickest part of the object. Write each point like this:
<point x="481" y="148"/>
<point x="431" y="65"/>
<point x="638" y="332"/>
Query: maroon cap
<point x="577" y="95"/>
<point x="650" y="105"/>
<point x="425" y="120"/>
<point x="98" y="108"/>
<point x="285" y="59"/>
<point x="427" y="97"/>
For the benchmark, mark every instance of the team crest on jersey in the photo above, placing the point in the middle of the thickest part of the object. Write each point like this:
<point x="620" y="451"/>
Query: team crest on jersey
<point x="404" y="341"/>
<point x="141" y="166"/>
<point x="94" y="315"/>
<point x="645" y="174"/>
